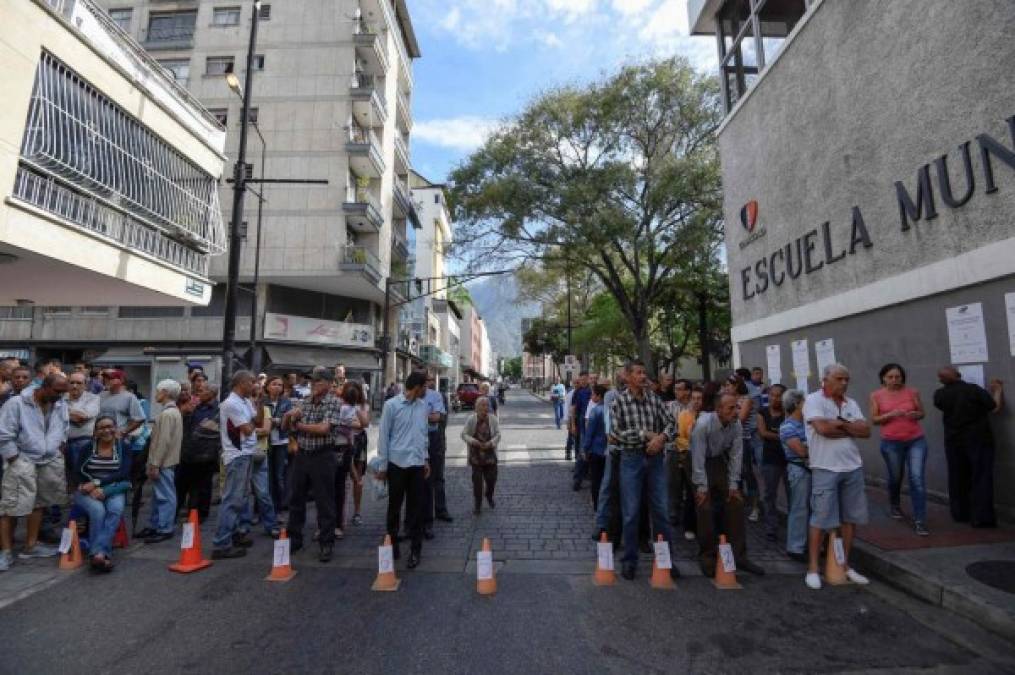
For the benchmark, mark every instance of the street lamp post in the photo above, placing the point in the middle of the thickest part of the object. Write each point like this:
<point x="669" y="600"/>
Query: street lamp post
<point x="239" y="186"/>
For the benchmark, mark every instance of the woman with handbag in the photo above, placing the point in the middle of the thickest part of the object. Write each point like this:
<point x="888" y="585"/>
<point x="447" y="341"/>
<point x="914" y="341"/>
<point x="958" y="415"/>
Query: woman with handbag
<point x="482" y="435"/>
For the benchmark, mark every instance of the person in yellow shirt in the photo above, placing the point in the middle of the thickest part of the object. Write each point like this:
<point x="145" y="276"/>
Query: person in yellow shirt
<point x="682" y="486"/>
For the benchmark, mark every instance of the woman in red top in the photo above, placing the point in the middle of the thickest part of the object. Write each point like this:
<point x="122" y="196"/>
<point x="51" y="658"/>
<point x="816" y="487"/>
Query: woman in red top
<point x="897" y="409"/>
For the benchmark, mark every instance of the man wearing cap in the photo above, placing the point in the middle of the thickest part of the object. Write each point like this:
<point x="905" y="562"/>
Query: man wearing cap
<point x="120" y="403"/>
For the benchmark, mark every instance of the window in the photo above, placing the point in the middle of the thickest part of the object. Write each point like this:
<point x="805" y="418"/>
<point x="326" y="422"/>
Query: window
<point x="56" y="311"/>
<point x="259" y="62"/>
<point x="95" y="310"/>
<point x="178" y="68"/>
<point x="265" y="13"/>
<point x="225" y="16"/>
<point x="221" y="114"/>
<point x="243" y="231"/>
<point x="16" y="312"/>
<point x="218" y="65"/>
<point x="121" y="17"/>
<point x="251" y="116"/>
<point x="151" y="312"/>
<point x="175" y="27"/>
<point x="248" y="170"/>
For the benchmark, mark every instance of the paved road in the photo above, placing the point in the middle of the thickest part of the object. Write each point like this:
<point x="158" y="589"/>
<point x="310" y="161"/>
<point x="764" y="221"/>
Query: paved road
<point x="546" y="617"/>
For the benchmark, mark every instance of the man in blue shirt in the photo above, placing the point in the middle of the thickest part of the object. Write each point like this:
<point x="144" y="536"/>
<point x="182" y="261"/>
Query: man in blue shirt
<point x="579" y="404"/>
<point x="436" y="503"/>
<point x="402" y="447"/>
<point x="557" y="394"/>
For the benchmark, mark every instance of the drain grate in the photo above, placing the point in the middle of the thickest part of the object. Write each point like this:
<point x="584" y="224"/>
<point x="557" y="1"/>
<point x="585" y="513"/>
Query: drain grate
<point x="999" y="574"/>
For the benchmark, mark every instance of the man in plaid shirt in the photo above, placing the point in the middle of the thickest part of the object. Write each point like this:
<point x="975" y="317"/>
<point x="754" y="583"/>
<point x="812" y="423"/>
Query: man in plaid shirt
<point x="641" y="426"/>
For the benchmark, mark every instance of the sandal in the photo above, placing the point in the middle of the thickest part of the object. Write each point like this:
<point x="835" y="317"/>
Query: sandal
<point x="357" y="520"/>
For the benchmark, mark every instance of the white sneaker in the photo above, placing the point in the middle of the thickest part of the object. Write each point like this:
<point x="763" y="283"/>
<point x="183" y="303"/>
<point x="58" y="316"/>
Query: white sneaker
<point x="856" y="577"/>
<point x="689" y="536"/>
<point x="40" y="550"/>
<point x="755" y="515"/>
<point x="339" y="534"/>
<point x="6" y="560"/>
<point x="813" y="581"/>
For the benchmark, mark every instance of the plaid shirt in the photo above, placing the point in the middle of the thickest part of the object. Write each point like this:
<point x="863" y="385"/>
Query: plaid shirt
<point x="630" y="417"/>
<point x="328" y="409"/>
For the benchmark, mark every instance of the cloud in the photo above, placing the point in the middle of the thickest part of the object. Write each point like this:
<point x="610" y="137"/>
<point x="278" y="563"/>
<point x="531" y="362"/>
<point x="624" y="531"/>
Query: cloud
<point x="549" y="39"/>
<point x="464" y="134"/>
<point x="630" y="7"/>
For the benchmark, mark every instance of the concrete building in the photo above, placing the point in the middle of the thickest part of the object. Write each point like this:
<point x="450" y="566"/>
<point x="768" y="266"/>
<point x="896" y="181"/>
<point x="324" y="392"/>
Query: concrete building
<point x="538" y="370"/>
<point x="473" y="332"/>
<point x="331" y="99"/>
<point x="868" y="164"/>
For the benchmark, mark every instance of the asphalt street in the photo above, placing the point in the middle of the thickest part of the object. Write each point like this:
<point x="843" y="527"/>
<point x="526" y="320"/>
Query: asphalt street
<point x="546" y="617"/>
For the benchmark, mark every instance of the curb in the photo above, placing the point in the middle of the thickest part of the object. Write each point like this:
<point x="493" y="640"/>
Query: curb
<point x="923" y="587"/>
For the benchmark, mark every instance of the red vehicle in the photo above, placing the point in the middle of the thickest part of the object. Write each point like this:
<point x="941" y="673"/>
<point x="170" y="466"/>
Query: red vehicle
<point x="465" y="396"/>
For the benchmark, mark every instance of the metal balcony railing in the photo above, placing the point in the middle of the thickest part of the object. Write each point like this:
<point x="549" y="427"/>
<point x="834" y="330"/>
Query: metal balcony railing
<point x="361" y="258"/>
<point x="402" y="149"/>
<point x="404" y="111"/>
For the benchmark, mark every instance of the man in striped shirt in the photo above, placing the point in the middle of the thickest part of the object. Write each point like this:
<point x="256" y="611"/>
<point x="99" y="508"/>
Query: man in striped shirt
<point x="640" y="425"/>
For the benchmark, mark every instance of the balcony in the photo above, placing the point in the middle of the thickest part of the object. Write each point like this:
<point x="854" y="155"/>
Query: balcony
<point x="364" y="150"/>
<point x="399" y="246"/>
<point x="401" y="155"/>
<point x="362" y="213"/>
<point x="403" y="198"/>
<point x="370" y="47"/>
<point x="369" y="106"/>
<point x="404" y="113"/>
<point x="361" y="259"/>
<point x="433" y="356"/>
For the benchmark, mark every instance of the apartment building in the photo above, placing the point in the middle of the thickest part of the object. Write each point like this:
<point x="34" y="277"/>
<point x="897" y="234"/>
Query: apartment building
<point x="330" y="100"/>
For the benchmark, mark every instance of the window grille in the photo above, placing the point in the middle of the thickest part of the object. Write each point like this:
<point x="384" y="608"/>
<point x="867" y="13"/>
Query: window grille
<point x="179" y="68"/>
<point x="76" y="133"/>
<point x="225" y="16"/>
<point x="265" y="13"/>
<point x="121" y="17"/>
<point x="220" y="114"/>
<point x="218" y="65"/>
<point x="15" y="312"/>
<point x="175" y="27"/>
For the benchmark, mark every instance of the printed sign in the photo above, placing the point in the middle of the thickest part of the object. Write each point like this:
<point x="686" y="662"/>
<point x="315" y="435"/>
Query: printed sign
<point x="663" y="561"/>
<point x="605" y="554"/>
<point x="967" y="335"/>
<point x="484" y="565"/>
<point x="726" y="556"/>
<point x="801" y="359"/>
<point x="187" y="541"/>
<point x="840" y="552"/>
<point x="824" y="352"/>
<point x="281" y="553"/>
<point x="66" y="539"/>
<point x="774" y="359"/>
<point x="317" y="331"/>
<point x="385" y="559"/>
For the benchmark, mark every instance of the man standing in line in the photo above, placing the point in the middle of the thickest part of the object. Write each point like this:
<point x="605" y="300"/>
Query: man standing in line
<point x="83" y="408"/>
<point x="402" y="447"/>
<point x="579" y="405"/>
<point x="120" y="403"/>
<point x="7" y="366"/>
<point x="314" y="419"/>
<point x="44" y="367"/>
<point x="838" y="499"/>
<point x="608" y="512"/>
<point x="436" y="499"/>
<point x="163" y="458"/>
<point x="33" y="427"/>
<point x="680" y="402"/>
<point x="642" y="426"/>
<point x="969" y="445"/>
<point x="238" y="422"/>
<point x="557" y="394"/>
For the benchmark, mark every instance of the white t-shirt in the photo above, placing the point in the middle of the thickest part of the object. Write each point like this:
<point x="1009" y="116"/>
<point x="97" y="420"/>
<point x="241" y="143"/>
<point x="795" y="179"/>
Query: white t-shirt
<point x="832" y="454"/>
<point x="567" y="403"/>
<point x="237" y="410"/>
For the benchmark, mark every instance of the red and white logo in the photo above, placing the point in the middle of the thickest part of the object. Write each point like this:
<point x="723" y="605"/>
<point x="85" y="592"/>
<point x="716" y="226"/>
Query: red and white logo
<point x="749" y="215"/>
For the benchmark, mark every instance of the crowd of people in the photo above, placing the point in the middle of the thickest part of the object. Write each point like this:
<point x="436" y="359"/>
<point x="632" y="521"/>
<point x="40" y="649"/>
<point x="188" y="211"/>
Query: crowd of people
<point x="709" y="457"/>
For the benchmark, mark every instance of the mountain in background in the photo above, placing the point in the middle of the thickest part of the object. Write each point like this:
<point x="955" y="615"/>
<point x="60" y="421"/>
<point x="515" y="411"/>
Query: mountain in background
<point x="496" y="298"/>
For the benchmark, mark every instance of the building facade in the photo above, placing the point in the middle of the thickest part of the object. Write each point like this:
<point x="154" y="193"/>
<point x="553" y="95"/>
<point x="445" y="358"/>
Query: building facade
<point x="869" y="179"/>
<point x="331" y="100"/>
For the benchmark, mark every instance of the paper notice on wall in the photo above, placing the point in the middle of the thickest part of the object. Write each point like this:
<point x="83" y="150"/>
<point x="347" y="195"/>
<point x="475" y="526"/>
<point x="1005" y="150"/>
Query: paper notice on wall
<point x="801" y="359"/>
<point x="824" y="353"/>
<point x="973" y="372"/>
<point x="773" y="354"/>
<point x="801" y="384"/>
<point x="1009" y="303"/>
<point x="967" y="336"/>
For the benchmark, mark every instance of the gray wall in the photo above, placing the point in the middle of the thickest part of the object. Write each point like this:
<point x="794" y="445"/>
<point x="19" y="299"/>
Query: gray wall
<point x="867" y="93"/>
<point x="915" y="335"/>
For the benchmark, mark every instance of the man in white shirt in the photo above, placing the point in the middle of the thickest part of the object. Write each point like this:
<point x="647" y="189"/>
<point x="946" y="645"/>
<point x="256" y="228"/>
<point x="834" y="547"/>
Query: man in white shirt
<point x="237" y="424"/>
<point x="838" y="499"/>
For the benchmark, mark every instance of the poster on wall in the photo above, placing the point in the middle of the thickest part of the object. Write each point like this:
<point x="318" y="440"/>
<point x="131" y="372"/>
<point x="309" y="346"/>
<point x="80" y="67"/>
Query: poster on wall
<point x="967" y="336"/>
<point x="1009" y="303"/>
<point x="824" y="352"/>
<point x="801" y="359"/>
<point x="773" y="354"/>
<point x="973" y="372"/>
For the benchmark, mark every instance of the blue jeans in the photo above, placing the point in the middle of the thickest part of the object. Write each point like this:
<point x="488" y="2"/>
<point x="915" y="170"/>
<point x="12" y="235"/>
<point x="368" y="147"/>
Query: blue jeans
<point x="898" y="455"/>
<point x="637" y="468"/>
<point x="74" y="448"/>
<point x="163" y="512"/>
<point x="799" y="480"/>
<point x="103" y="519"/>
<point x="234" y="500"/>
<point x="558" y="411"/>
<point x="259" y="486"/>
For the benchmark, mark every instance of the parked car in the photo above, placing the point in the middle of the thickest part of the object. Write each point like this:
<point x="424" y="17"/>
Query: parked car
<point x="465" y="396"/>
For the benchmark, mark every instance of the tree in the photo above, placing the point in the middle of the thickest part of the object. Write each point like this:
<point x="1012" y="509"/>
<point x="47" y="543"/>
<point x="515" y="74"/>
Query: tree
<point x="513" y="367"/>
<point x="546" y="336"/>
<point x="619" y="179"/>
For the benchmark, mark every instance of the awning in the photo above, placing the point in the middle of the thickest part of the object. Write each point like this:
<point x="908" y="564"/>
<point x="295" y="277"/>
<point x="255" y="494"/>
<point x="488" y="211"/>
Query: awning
<point x="122" y="356"/>
<point x="304" y="358"/>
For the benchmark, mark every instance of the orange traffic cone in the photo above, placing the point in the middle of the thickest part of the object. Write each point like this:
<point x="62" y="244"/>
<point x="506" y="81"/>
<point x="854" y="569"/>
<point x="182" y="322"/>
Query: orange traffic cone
<point x="190" y="547"/>
<point x="724" y="580"/>
<point x="121" y="540"/>
<point x="386" y="579"/>
<point x="281" y="568"/>
<point x="72" y="559"/>
<point x="661" y="578"/>
<point x="835" y="574"/>
<point x="486" y="581"/>
<point x="604" y="576"/>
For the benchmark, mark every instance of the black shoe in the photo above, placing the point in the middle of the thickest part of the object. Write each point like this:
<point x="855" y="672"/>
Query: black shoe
<point x="445" y="517"/>
<point x="707" y="570"/>
<point x="395" y="552"/>
<point x="674" y="572"/>
<point x="231" y="552"/>
<point x="627" y="572"/>
<point x="145" y="533"/>
<point x="325" y="554"/>
<point x="748" y="566"/>
<point x="597" y="535"/>
<point x="413" y="561"/>
<point x="295" y="545"/>
<point x="243" y="540"/>
<point x="428" y="534"/>
<point x="645" y="547"/>
<point x="577" y="486"/>
<point x="489" y="500"/>
<point x="157" y="537"/>
<point x="799" y="557"/>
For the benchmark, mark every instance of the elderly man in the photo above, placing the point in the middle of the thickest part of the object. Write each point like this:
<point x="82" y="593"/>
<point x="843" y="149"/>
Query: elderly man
<point x="238" y="423"/>
<point x="83" y="408"/>
<point x="120" y="403"/>
<point x="436" y="500"/>
<point x="163" y="457"/>
<point x="838" y="500"/>
<point x="969" y="445"/>
<point x="33" y="427"/>
<point x="716" y="459"/>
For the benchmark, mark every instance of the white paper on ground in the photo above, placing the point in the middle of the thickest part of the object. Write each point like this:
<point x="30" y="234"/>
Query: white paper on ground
<point x="773" y="354"/>
<point x="281" y="553"/>
<point x="967" y="336"/>
<point x="840" y="552"/>
<point x="801" y="359"/>
<point x="663" y="561"/>
<point x="973" y="372"/>
<point x="187" y="541"/>
<point x="726" y="555"/>
<point x="824" y="353"/>
<point x="66" y="539"/>
<point x="605" y="554"/>
<point x="484" y="565"/>
<point x="385" y="559"/>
